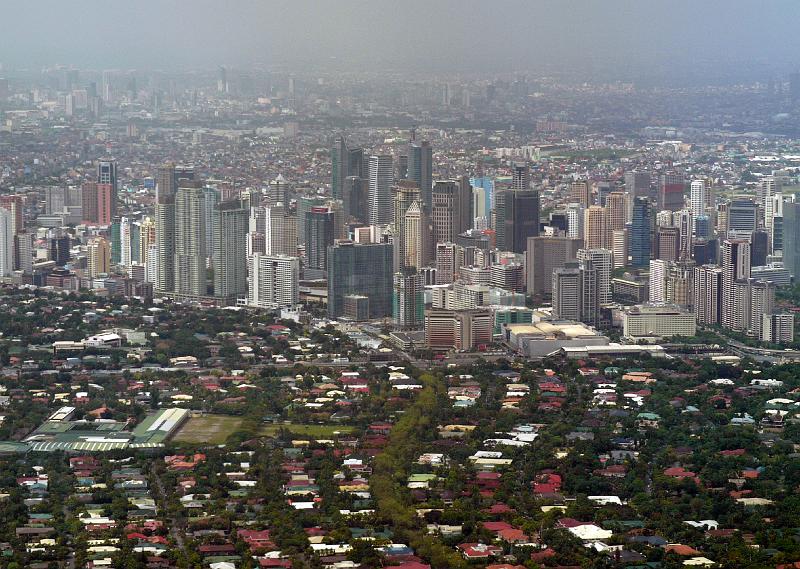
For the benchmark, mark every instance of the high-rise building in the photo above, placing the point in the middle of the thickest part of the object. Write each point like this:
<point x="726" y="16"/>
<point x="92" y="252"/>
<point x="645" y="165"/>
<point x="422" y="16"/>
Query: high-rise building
<point x="742" y="216"/>
<point x="668" y="243"/>
<point x="581" y="192"/>
<point x="567" y="293"/>
<point x="6" y="243"/>
<point x="60" y="250"/>
<point x="735" y="268"/>
<point x="602" y="261"/>
<point x="355" y="202"/>
<point x="190" y="241"/>
<point x="791" y="237"/>
<point x="319" y="235"/>
<point x="762" y="302"/>
<point x="415" y="238"/>
<point x="280" y="231"/>
<point x="670" y="191"/>
<point x="641" y="226"/>
<point x="658" y="281"/>
<point x="595" y="228"/>
<point x="575" y="214"/>
<point x="339" y="167"/>
<point x="708" y="306"/>
<point x="680" y="282"/>
<point x="517" y="218"/>
<point x="767" y="188"/>
<point x="619" y="247"/>
<point x="590" y="293"/>
<point x="211" y="199"/>
<point x="637" y="184"/>
<point x="778" y="328"/>
<point x="615" y="210"/>
<point x="508" y="276"/>
<point x="447" y="264"/>
<point x="697" y="198"/>
<point x="165" y="243"/>
<point x="125" y="241"/>
<point x="520" y="176"/>
<point x="380" y="189"/>
<point x="98" y="257"/>
<point x="420" y="169"/>
<point x="408" y="300"/>
<point x="230" y="250"/>
<point x="451" y="210"/>
<point x="360" y="269"/>
<point x="543" y="256"/>
<point x="274" y="281"/>
<point x="14" y="204"/>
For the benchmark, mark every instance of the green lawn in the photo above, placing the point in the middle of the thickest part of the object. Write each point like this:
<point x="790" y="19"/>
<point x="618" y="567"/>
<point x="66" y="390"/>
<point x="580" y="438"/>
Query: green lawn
<point x="316" y="431"/>
<point x="208" y="429"/>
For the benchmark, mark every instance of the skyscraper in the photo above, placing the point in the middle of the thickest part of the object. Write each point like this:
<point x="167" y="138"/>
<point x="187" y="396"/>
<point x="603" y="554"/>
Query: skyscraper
<point x="319" y="235"/>
<point x="658" y="281"/>
<point x="602" y="261"/>
<point x="668" y="242"/>
<point x="520" y="176"/>
<point x="210" y="201"/>
<point x="364" y="270"/>
<point x="615" y="210"/>
<point x="340" y="162"/>
<point x="230" y="250"/>
<point x="6" y="243"/>
<point x="595" y="228"/>
<point x="543" y="256"/>
<point x="408" y="300"/>
<point x="451" y="210"/>
<point x="274" y="281"/>
<point x="697" y="198"/>
<point x="641" y="226"/>
<point x="190" y="241"/>
<point x="742" y="216"/>
<point x="791" y="237"/>
<point x="517" y="218"/>
<point x="415" y="238"/>
<point x="637" y="184"/>
<point x="405" y="194"/>
<point x="420" y="169"/>
<point x="165" y="243"/>
<point x="567" y="292"/>
<point x="708" y="294"/>
<point x="98" y="257"/>
<point x="670" y="191"/>
<point x="581" y="192"/>
<point x="767" y="189"/>
<point x="735" y="268"/>
<point x="380" y="189"/>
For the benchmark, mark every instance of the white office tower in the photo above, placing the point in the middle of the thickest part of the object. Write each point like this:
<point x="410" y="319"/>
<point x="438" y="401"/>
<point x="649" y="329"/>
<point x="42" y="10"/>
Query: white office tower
<point x="6" y="243"/>
<point x="765" y="193"/>
<point x="575" y="215"/>
<point x="664" y="218"/>
<point x="274" y="281"/>
<point x="697" y="198"/>
<point x="602" y="260"/>
<point x="151" y="264"/>
<point x="658" y="281"/>
<point x="619" y="246"/>
<point x="125" y="242"/>
<point x="381" y="178"/>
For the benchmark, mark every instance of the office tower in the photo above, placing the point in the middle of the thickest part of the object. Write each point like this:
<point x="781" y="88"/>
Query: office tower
<point x="604" y="189"/>
<point x="615" y="211"/>
<point x="319" y="229"/>
<point x="791" y="237"/>
<point x="595" y="228"/>
<point x="230" y="250"/>
<point x="508" y="276"/>
<point x="641" y="226"/>
<point x="581" y="192"/>
<point x="277" y="192"/>
<point x="59" y="250"/>
<point x="567" y="293"/>
<point x="361" y="270"/>
<point x="722" y="219"/>
<point x="776" y="231"/>
<point x="670" y="191"/>
<point x="356" y="199"/>
<point x="274" y="281"/>
<point x="405" y="194"/>
<point x="408" y="300"/>
<point x="708" y="294"/>
<point x="575" y="215"/>
<point x="759" y="248"/>
<point x="637" y="184"/>
<point x="165" y="180"/>
<point x="415" y="238"/>
<point x="658" y="281"/>
<point x="590" y="293"/>
<point x="619" y="247"/>
<point x="98" y="257"/>
<point x="683" y="221"/>
<point x="280" y="231"/>
<point x="211" y="199"/>
<point x="520" y="176"/>
<point x="517" y="218"/>
<point x="125" y="241"/>
<point x="766" y="191"/>
<point x="702" y="227"/>
<point x="89" y="202"/>
<point x="190" y="241"/>
<point x="735" y="267"/>
<point x="680" y="282"/>
<point x="451" y="210"/>
<point x="483" y="196"/>
<point x="668" y="243"/>
<point x="106" y="192"/>
<point x="447" y="264"/>
<point x="13" y="204"/>
<point x="165" y="243"/>
<point x="602" y="261"/>
<point x="380" y="189"/>
<point x="665" y="218"/>
<point x="778" y="328"/>
<point x="151" y="264"/>
<point x="107" y="173"/>
<point x="6" y="243"/>
<point x="762" y="302"/>
<point x="543" y="256"/>
<point x="697" y="198"/>
<point x="340" y="162"/>
<point x="458" y="329"/>
<point x="304" y="205"/>
<point x="742" y="216"/>
<point x="420" y="169"/>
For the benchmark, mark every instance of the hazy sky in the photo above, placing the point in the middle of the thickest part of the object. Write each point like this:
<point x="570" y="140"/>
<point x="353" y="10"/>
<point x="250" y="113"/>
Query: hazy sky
<point x="430" y="34"/>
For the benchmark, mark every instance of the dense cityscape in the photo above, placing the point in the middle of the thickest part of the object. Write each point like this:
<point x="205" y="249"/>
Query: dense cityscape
<point x="345" y="317"/>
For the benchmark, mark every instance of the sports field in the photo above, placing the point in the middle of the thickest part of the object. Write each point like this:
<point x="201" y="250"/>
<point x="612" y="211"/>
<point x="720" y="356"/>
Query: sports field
<point x="208" y="429"/>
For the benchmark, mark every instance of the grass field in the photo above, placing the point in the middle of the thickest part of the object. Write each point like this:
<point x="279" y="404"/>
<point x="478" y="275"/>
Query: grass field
<point x="208" y="429"/>
<point x="317" y="431"/>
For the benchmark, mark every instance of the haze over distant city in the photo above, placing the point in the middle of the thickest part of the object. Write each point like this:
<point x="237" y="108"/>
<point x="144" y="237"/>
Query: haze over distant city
<point x="620" y="39"/>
